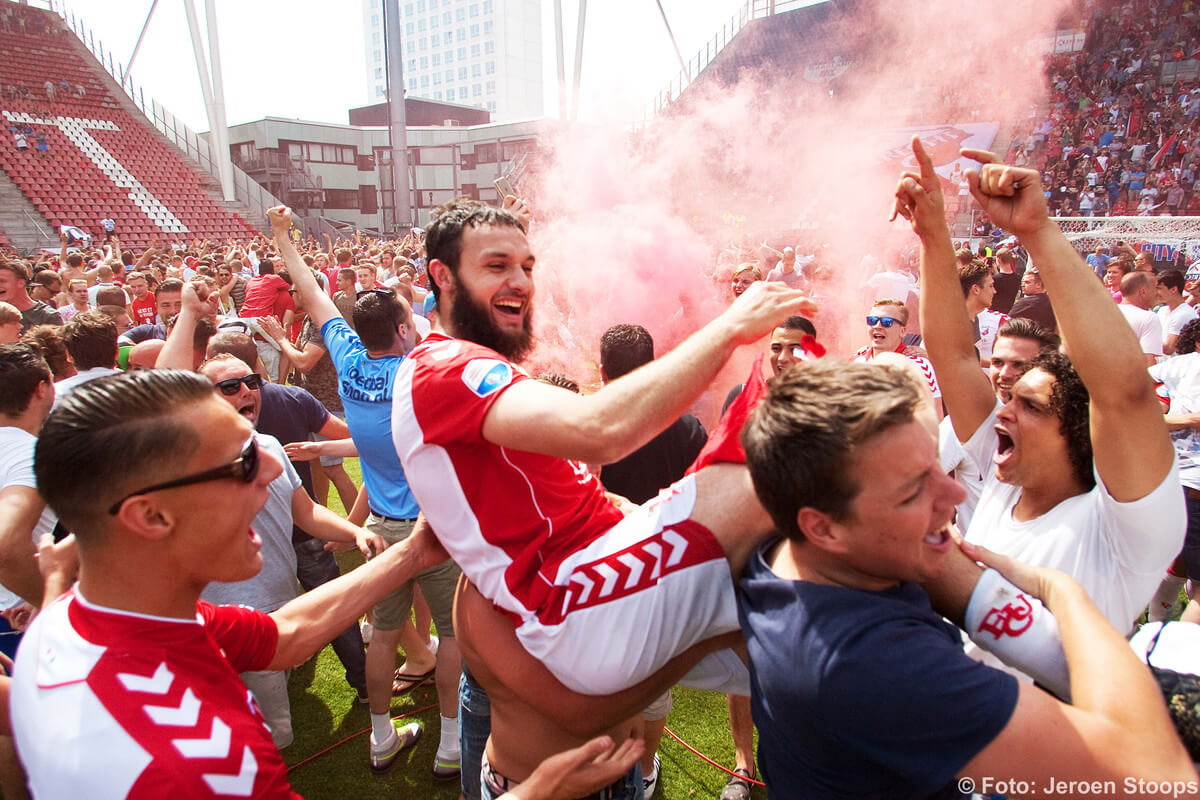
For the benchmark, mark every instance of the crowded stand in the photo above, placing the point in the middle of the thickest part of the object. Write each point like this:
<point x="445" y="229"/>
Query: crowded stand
<point x="942" y="544"/>
<point x="1116" y="139"/>
<point x="80" y="156"/>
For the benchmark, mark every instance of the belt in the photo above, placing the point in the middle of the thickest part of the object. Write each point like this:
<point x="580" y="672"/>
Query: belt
<point x="500" y="784"/>
<point x="393" y="519"/>
<point x="1193" y="494"/>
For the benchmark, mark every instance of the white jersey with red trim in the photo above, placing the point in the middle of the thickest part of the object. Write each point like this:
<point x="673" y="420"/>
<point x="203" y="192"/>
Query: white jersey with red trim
<point x="989" y="323"/>
<point x="507" y="517"/>
<point x="867" y="355"/>
<point x="539" y="538"/>
<point x="111" y="704"/>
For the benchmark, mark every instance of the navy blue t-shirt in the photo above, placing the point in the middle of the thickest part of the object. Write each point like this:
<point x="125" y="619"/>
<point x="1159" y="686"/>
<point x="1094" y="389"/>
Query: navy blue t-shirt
<point x="290" y="414"/>
<point x="862" y="694"/>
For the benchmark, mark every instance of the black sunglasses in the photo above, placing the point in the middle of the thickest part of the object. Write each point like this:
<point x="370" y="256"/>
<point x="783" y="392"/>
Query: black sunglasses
<point x="243" y="469"/>
<point x="388" y="293"/>
<point x="231" y="386"/>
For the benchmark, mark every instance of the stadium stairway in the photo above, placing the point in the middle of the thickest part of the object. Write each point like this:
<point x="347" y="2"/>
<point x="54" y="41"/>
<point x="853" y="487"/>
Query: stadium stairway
<point x="104" y="158"/>
<point x="210" y="184"/>
<point x="22" y="224"/>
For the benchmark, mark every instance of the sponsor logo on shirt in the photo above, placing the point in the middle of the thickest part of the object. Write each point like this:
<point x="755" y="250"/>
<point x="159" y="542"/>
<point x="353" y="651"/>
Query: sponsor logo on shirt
<point x="484" y="376"/>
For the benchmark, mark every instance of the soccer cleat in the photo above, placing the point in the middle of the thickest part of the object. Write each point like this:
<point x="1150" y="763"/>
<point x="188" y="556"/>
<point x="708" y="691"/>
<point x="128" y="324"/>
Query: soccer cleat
<point x="403" y="737"/>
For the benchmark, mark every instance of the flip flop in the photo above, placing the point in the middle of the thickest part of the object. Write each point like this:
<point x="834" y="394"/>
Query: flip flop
<point x="403" y="683"/>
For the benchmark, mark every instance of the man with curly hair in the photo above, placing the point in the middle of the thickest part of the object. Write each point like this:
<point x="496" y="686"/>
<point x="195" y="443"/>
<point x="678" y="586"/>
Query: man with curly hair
<point x="1079" y="470"/>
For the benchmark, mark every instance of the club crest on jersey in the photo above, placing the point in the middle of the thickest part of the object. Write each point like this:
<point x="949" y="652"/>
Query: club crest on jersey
<point x="483" y="376"/>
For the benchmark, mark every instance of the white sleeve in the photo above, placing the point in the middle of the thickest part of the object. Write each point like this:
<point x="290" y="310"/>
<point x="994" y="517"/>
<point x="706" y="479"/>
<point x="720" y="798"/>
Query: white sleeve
<point x="1146" y="533"/>
<point x="272" y="445"/>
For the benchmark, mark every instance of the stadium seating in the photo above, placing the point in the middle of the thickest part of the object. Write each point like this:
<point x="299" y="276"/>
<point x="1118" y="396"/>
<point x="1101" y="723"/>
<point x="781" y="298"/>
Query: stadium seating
<point x="1123" y="114"/>
<point x="88" y="158"/>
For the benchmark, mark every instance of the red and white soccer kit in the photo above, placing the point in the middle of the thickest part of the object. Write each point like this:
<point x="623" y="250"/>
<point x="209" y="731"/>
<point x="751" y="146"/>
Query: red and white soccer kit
<point x="866" y="355"/>
<point x="602" y="600"/>
<point x="111" y="704"/>
<point x="989" y="323"/>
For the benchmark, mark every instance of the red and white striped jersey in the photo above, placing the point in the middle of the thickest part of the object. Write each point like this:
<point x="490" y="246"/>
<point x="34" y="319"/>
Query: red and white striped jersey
<point x="989" y="324"/>
<point x="509" y="518"/>
<point x="111" y="704"/>
<point x="867" y="355"/>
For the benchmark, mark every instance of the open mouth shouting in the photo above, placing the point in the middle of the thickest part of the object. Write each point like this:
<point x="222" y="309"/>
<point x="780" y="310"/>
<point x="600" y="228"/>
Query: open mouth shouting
<point x="510" y="308"/>
<point x="248" y="408"/>
<point x="1006" y="448"/>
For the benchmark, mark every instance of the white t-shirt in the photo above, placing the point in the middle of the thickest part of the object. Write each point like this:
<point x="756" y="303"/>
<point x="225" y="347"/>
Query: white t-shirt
<point x="1118" y="552"/>
<point x="67" y="385"/>
<point x="1172" y="321"/>
<point x="1181" y="376"/>
<point x="954" y="459"/>
<point x="1146" y="326"/>
<point x="16" y="469"/>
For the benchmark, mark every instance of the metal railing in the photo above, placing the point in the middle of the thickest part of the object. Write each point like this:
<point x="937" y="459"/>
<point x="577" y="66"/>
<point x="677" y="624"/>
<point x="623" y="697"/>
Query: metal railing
<point x="36" y="224"/>
<point x="749" y="11"/>
<point x="246" y="189"/>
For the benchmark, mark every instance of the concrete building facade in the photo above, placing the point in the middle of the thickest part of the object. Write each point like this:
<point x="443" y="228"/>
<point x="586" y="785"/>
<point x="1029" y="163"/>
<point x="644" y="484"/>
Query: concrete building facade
<point x="481" y="53"/>
<point x="340" y="171"/>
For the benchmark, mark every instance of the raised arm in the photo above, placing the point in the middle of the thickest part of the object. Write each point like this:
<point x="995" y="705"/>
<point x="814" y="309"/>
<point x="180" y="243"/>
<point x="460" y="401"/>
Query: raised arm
<point x="606" y="426"/>
<point x="1129" y="438"/>
<point x="946" y="329"/>
<point x="318" y="304"/>
<point x="178" y="353"/>
<point x="1117" y="726"/>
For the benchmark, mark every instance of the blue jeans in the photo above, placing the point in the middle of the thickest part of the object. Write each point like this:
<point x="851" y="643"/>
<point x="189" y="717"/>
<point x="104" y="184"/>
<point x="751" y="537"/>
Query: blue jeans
<point x="314" y="566"/>
<point x="1191" y="542"/>
<point x="474" y="727"/>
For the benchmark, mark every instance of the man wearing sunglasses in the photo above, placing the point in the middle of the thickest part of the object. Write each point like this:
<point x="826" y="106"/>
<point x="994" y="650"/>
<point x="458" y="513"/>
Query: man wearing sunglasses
<point x="167" y="508"/>
<point x="288" y="507"/>
<point x="886" y="325"/>
<point x="367" y="359"/>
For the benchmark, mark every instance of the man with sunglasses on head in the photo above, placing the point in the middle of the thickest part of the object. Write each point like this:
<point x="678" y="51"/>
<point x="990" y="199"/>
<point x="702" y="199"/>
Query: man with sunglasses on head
<point x="367" y="359"/>
<point x="887" y="323"/>
<point x="129" y="686"/>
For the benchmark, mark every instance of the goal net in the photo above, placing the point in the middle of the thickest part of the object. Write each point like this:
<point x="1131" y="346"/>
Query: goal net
<point x="1163" y="235"/>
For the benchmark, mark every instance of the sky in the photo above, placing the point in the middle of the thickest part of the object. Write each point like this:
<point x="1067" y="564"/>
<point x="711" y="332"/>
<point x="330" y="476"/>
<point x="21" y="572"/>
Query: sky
<point x="304" y="59"/>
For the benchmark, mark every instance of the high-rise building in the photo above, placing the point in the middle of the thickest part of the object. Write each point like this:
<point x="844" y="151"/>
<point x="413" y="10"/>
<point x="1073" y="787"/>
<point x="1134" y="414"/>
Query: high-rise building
<point x="483" y="53"/>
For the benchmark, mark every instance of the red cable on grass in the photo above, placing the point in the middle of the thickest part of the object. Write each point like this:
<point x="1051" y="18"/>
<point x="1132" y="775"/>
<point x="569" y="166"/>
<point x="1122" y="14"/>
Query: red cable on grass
<point x="710" y="761"/>
<point x="336" y="745"/>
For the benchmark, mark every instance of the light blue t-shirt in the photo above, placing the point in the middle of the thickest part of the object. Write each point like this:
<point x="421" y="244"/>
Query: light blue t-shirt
<point x="365" y="386"/>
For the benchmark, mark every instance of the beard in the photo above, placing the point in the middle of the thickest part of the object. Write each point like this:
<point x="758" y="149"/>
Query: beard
<point x="472" y="321"/>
